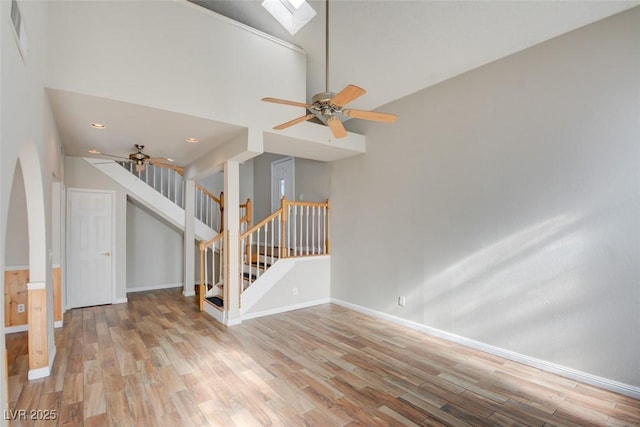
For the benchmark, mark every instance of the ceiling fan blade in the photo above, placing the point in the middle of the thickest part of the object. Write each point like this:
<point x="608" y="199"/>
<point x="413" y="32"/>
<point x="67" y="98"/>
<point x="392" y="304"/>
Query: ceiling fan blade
<point x="286" y="102"/>
<point x="370" y="115"/>
<point x="336" y="126"/>
<point x="347" y="95"/>
<point x="294" y="122"/>
<point x="112" y="155"/>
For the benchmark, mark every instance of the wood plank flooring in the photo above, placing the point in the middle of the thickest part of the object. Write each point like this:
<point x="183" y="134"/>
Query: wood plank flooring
<point x="157" y="361"/>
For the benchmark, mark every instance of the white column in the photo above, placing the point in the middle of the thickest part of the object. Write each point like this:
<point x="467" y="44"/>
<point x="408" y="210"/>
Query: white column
<point x="189" y="238"/>
<point x="232" y="224"/>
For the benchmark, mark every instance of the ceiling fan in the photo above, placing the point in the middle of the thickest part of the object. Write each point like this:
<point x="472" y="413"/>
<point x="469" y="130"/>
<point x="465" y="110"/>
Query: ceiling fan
<point x="139" y="158"/>
<point x="328" y="106"/>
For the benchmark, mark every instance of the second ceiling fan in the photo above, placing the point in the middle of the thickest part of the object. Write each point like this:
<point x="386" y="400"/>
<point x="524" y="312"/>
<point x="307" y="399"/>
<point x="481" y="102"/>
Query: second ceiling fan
<point x="140" y="159"/>
<point x="328" y="106"/>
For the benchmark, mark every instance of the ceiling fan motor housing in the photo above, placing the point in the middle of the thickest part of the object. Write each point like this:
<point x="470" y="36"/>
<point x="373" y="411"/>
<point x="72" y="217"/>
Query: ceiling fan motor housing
<point x="321" y="106"/>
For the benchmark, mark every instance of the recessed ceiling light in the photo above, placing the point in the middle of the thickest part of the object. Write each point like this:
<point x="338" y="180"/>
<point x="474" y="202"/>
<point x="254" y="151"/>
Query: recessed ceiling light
<point x="171" y="160"/>
<point x="94" y="152"/>
<point x="191" y="140"/>
<point x="98" y="126"/>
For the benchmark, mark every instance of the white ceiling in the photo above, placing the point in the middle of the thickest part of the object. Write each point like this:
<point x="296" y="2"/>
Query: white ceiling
<point x="391" y="48"/>
<point x="163" y="133"/>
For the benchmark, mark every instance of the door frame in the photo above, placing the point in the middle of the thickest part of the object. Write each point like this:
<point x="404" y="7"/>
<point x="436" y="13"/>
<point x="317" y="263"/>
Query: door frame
<point x="112" y="193"/>
<point x="275" y="204"/>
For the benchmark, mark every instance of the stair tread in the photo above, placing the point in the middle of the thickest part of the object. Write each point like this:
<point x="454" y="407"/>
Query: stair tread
<point x="217" y="301"/>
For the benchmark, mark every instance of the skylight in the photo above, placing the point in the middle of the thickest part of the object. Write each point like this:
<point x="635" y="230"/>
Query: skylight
<point x="291" y="14"/>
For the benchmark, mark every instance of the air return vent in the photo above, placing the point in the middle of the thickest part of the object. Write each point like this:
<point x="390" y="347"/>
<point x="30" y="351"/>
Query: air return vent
<point x="18" y="27"/>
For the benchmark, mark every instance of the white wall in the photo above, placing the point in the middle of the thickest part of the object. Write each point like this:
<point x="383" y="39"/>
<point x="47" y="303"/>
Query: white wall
<point x="504" y="204"/>
<point x="180" y="57"/>
<point x="154" y="251"/>
<point x="27" y="127"/>
<point x="305" y="283"/>
<point x="17" y="237"/>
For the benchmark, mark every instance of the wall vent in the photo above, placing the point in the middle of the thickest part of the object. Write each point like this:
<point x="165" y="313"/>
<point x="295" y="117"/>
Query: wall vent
<point x="18" y="27"/>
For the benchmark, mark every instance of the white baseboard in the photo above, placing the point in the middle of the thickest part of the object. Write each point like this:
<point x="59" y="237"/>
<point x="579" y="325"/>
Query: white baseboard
<point x="306" y="304"/>
<point x="154" y="287"/>
<point x="15" y="267"/>
<point x="191" y="293"/>
<point x="35" y="374"/>
<point x="15" y="329"/>
<point x="574" y="374"/>
<point x="24" y="328"/>
<point x="120" y="301"/>
<point x="233" y="322"/>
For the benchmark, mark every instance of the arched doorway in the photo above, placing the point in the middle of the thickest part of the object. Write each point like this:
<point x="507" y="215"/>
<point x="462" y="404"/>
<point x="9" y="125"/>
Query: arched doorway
<point x="39" y="292"/>
<point x="16" y="277"/>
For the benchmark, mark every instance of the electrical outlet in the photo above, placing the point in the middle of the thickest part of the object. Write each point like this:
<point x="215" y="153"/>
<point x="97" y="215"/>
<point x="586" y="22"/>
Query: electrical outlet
<point x="295" y="291"/>
<point x="20" y="308"/>
<point x="402" y="301"/>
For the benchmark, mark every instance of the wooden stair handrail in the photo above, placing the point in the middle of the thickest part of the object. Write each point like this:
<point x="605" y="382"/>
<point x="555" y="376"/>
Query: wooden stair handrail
<point x="177" y="169"/>
<point x="212" y="241"/>
<point x="310" y="204"/>
<point x="208" y="194"/>
<point x="260" y="224"/>
<point x="202" y="246"/>
<point x="180" y="171"/>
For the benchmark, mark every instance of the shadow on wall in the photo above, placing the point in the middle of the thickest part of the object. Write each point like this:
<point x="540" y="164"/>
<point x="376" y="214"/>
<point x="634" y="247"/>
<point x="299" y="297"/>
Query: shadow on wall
<point x="555" y="290"/>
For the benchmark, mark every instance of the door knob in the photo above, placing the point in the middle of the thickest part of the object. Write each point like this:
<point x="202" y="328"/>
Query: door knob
<point x="107" y="254"/>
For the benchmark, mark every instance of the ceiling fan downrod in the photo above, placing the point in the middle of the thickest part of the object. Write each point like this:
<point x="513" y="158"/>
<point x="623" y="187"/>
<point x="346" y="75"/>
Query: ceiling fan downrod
<point x="326" y="49"/>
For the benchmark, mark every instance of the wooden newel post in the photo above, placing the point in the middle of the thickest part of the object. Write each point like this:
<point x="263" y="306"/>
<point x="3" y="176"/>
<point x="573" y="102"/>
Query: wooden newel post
<point x="249" y="214"/>
<point x="203" y="285"/>
<point x="221" y="211"/>
<point x="326" y="241"/>
<point x="284" y="205"/>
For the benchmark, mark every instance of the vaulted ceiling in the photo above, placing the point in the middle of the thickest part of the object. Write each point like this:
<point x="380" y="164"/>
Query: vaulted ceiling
<point x="393" y="48"/>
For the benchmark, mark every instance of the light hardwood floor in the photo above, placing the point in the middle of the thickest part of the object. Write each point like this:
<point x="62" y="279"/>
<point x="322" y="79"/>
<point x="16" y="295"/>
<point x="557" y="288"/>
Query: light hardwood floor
<point x="158" y="361"/>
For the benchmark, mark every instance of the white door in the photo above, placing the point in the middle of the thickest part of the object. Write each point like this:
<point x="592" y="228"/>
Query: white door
<point x="282" y="181"/>
<point x="90" y="242"/>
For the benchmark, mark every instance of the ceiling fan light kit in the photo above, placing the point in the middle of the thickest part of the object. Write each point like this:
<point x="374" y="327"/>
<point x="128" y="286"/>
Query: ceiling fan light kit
<point x="328" y="106"/>
<point x="138" y="158"/>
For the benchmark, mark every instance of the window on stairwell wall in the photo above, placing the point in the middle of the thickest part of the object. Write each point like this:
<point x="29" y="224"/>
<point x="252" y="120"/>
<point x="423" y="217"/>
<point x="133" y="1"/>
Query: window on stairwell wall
<point x="282" y="181"/>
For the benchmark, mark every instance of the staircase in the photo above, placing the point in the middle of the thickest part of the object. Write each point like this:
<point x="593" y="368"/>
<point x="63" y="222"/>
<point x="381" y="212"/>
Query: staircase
<point x="160" y="189"/>
<point x="282" y="254"/>
<point x="295" y="231"/>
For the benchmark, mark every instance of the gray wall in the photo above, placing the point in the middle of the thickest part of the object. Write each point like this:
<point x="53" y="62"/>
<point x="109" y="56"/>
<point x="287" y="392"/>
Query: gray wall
<point x="312" y="180"/>
<point x="154" y="250"/>
<point x="262" y="185"/>
<point x="215" y="183"/>
<point x="504" y="204"/>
